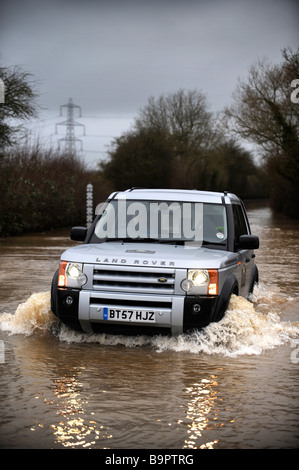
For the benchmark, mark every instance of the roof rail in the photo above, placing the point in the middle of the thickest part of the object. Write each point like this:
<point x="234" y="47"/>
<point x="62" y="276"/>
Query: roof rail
<point x="133" y="189"/>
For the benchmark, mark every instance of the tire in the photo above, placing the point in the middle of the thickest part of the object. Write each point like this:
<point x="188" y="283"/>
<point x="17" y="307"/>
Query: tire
<point x="254" y="279"/>
<point x="54" y="293"/>
<point x="230" y="287"/>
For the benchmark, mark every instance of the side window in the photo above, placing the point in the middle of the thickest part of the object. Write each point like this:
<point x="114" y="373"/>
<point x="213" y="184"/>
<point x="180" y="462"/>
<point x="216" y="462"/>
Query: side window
<point x="239" y="222"/>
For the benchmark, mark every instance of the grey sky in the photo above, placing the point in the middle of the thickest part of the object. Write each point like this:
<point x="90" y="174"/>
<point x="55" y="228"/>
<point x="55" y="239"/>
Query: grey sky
<point x="110" y="56"/>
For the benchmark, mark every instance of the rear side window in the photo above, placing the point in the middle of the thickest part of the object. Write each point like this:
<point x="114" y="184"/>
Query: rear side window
<point x="239" y="222"/>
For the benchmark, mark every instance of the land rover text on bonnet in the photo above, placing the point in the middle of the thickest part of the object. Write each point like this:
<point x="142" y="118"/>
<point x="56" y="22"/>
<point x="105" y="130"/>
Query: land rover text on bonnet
<point x="156" y="262"/>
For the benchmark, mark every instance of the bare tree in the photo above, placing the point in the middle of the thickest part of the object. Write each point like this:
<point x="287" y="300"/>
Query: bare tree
<point x="187" y="125"/>
<point x="264" y="113"/>
<point x="19" y="102"/>
<point x="182" y="115"/>
<point x="262" y="105"/>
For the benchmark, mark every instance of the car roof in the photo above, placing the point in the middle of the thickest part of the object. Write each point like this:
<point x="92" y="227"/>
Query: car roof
<point x="184" y="195"/>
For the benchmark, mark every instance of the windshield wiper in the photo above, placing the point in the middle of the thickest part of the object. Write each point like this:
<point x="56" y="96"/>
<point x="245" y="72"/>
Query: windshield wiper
<point x="146" y="240"/>
<point x="206" y="243"/>
<point x="131" y="240"/>
<point x="172" y="240"/>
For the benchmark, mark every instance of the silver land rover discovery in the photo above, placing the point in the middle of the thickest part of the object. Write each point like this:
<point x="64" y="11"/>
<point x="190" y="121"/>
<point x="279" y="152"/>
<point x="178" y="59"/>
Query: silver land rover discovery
<point x="156" y="262"/>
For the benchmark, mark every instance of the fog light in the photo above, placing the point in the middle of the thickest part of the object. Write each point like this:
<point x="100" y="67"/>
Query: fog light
<point x="69" y="300"/>
<point x="196" y="308"/>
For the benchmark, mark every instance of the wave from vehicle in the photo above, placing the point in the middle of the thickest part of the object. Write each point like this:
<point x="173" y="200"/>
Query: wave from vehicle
<point x="249" y="327"/>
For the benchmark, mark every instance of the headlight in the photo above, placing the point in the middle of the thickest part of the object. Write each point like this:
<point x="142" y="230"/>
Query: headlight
<point x="71" y="275"/>
<point x="198" y="277"/>
<point x="73" y="270"/>
<point x="201" y="282"/>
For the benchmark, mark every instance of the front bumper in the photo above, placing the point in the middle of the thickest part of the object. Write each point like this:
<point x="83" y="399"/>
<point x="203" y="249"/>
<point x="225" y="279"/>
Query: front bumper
<point x="199" y="311"/>
<point x="174" y="315"/>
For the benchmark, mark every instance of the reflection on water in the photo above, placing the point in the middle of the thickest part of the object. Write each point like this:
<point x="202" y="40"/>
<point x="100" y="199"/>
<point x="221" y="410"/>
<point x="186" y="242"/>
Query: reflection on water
<point x="200" y="412"/>
<point x="73" y="430"/>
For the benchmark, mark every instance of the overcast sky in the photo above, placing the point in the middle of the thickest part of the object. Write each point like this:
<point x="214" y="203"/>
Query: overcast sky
<point x="111" y="56"/>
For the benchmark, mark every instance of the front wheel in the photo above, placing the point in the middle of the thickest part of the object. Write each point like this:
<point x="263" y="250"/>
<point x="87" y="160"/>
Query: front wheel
<point x="54" y="293"/>
<point x="230" y="287"/>
<point x="254" y="278"/>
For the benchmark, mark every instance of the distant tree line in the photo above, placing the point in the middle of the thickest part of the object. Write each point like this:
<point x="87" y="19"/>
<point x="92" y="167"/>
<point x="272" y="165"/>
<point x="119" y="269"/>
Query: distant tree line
<point x="175" y="142"/>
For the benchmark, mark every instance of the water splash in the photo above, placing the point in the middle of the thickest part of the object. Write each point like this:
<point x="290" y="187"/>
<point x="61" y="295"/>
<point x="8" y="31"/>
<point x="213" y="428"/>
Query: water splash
<point x="244" y="330"/>
<point x="249" y="327"/>
<point x="31" y="316"/>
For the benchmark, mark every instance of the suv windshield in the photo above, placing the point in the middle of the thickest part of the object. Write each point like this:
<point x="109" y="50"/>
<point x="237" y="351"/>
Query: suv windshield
<point x="162" y="221"/>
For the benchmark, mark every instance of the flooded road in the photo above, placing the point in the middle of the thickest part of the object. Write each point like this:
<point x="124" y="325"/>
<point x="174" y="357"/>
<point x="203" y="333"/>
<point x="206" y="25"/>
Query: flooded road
<point x="233" y="385"/>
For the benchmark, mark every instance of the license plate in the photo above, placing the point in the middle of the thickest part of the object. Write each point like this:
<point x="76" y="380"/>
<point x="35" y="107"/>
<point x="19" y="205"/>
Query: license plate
<point x="145" y="316"/>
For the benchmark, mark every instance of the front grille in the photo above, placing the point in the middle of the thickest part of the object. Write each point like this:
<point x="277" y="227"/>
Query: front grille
<point x="113" y="302"/>
<point x="139" y="280"/>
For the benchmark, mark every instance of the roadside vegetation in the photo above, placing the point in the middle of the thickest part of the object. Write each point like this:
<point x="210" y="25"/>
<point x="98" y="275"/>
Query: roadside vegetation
<point x="44" y="189"/>
<point x="175" y="142"/>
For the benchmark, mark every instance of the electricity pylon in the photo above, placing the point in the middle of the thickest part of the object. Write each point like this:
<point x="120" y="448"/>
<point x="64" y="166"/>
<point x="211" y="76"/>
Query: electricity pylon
<point x="70" y="139"/>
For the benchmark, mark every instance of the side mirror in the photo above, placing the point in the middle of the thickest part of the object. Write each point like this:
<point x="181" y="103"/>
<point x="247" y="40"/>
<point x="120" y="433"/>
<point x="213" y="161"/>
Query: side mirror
<point x="249" y="242"/>
<point x="78" y="234"/>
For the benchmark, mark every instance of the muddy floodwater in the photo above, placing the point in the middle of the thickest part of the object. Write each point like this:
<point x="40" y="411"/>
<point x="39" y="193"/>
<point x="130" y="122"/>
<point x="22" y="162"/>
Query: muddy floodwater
<point x="233" y="385"/>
